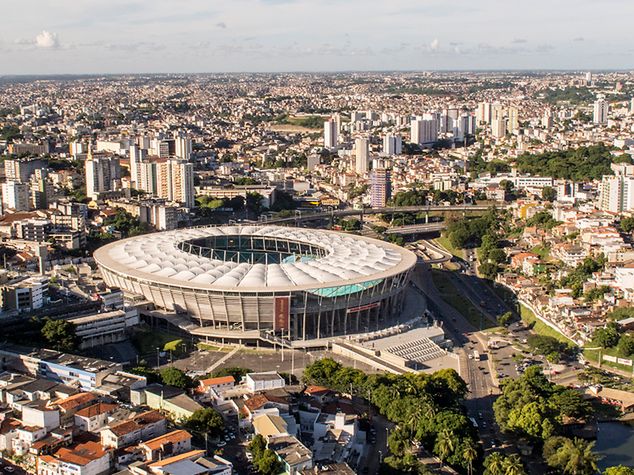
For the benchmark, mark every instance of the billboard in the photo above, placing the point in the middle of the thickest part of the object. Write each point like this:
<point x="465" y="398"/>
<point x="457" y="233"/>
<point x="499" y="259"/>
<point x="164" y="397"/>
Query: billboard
<point x="282" y="313"/>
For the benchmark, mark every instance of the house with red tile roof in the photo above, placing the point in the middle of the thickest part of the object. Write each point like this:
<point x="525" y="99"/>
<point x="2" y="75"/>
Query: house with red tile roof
<point x="144" y="426"/>
<point x="167" y="445"/>
<point x="93" y="418"/>
<point x="88" y="458"/>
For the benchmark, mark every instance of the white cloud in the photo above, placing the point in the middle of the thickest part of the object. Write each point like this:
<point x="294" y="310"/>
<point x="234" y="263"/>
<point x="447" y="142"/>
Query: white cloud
<point x="46" y="39"/>
<point x="434" y="44"/>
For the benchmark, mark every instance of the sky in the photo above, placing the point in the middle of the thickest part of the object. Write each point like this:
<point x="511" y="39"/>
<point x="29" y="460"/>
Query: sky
<point x="182" y="36"/>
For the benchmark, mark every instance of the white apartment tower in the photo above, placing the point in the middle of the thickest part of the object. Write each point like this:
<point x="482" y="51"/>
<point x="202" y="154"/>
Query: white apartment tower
<point x="424" y="131"/>
<point x="601" y="110"/>
<point x="102" y="174"/>
<point x="15" y="195"/>
<point x="331" y="134"/>
<point x="616" y="192"/>
<point x="182" y="146"/>
<point x="498" y="127"/>
<point x="513" y="123"/>
<point x="392" y="144"/>
<point x="362" y="151"/>
<point x="483" y="113"/>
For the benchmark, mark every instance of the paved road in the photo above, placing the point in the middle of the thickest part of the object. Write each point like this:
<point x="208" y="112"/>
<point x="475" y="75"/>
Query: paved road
<point x="476" y="373"/>
<point x="8" y="468"/>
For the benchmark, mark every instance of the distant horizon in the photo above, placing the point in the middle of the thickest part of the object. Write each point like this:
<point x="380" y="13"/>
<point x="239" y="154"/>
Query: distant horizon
<point x="325" y="72"/>
<point x="44" y="37"/>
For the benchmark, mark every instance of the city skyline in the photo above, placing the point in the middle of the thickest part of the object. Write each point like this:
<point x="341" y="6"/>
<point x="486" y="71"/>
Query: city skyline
<point x="301" y="35"/>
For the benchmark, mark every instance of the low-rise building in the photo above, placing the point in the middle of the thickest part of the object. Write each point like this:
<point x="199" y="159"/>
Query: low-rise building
<point x="103" y="328"/>
<point x="167" y="399"/>
<point x="95" y="417"/>
<point x="264" y="381"/>
<point x="167" y="445"/>
<point x="144" y="426"/>
<point x="86" y="373"/>
<point x="295" y="456"/>
<point x="89" y="458"/>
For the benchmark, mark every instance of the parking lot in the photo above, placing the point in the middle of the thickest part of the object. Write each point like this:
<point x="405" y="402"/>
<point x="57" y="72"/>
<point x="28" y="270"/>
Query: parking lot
<point x="287" y="361"/>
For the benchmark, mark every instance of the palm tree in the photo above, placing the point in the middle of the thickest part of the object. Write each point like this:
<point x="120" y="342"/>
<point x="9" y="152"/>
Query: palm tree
<point x="470" y="454"/>
<point x="444" y="444"/>
<point x="513" y="465"/>
<point x="494" y="464"/>
<point x="577" y="457"/>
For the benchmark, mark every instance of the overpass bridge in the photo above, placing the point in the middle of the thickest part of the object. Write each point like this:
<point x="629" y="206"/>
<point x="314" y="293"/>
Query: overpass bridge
<point x="304" y="217"/>
<point x="417" y="228"/>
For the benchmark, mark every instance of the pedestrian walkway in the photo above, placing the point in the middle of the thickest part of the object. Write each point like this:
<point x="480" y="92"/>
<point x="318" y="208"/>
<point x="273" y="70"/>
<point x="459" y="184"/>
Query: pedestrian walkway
<point x="222" y="360"/>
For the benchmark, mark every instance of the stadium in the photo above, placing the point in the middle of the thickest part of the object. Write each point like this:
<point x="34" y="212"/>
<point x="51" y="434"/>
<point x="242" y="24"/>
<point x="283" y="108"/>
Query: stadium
<point x="240" y="281"/>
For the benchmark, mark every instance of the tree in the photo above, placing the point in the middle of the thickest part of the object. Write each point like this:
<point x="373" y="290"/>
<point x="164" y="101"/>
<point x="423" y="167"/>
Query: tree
<point x="175" y="377"/>
<point x="60" y="334"/>
<point x="488" y="270"/>
<point x="206" y="421"/>
<point x="513" y="465"/>
<point x="268" y="463"/>
<point x="625" y="346"/>
<point x="444" y="444"/>
<point x="494" y="464"/>
<point x="237" y="373"/>
<point x="150" y="374"/>
<point x="619" y="470"/>
<point x="607" y="337"/>
<point x="627" y="224"/>
<point x="470" y="454"/>
<point x="257" y="446"/>
<point x="572" y="456"/>
<point x="505" y="318"/>
<point x="549" y="193"/>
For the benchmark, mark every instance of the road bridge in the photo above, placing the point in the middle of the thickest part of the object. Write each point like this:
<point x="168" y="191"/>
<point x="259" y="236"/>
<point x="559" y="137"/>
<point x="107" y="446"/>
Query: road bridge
<point x="305" y="216"/>
<point x="417" y="228"/>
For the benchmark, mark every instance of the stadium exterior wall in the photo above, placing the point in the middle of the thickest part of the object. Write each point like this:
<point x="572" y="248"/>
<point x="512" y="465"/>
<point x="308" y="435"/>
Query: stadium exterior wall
<point x="293" y="313"/>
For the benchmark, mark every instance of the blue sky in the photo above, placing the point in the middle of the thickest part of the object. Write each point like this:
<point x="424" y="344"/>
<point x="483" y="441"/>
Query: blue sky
<point x="112" y="36"/>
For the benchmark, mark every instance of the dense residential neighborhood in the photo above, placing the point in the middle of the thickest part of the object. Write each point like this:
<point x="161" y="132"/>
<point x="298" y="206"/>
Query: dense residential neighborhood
<point x="317" y="273"/>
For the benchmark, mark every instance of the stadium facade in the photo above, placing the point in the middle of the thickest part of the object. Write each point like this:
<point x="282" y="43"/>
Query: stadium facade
<point x="295" y="283"/>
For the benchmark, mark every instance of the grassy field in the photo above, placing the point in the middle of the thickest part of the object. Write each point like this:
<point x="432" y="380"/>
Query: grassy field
<point x="593" y="355"/>
<point x="540" y="327"/>
<point x="146" y="340"/>
<point x="542" y="251"/>
<point x="453" y="297"/>
<point x="445" y="242"/>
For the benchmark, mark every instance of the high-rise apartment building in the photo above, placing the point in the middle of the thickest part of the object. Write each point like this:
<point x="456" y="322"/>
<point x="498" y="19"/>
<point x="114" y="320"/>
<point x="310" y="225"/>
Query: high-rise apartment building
<point x="15" y="195"/>
<point x="498" y="127"/>
<point x="362" y="151"/>
<point x="380" y="187"/>
<point x="616" y="192"/>
<point x="392" y="144"/>
<point x="182" y="146"/>
<point x="601" y="110"/>
<point x="331" y="134"/>
<point x="21" y="169"/>
<point x="424" y="130"/>
<point x="483" y="113"/>
<point x="102" y="174"/>
<point x="513" y="122"/>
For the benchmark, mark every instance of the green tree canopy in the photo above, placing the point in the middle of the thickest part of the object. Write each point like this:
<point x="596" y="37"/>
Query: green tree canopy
<point x="60" y="334"/>
<point x="206" y="421"/>
<point x="175" y="377"/>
